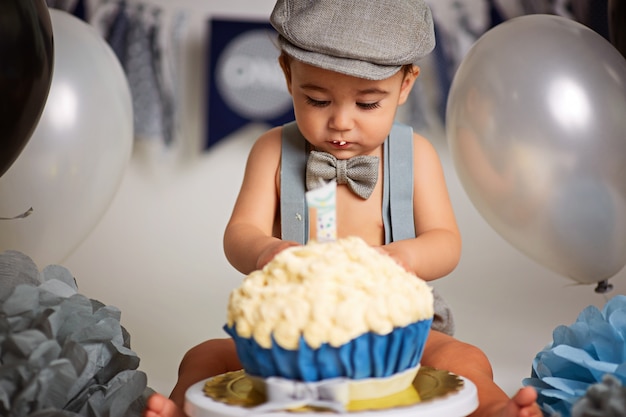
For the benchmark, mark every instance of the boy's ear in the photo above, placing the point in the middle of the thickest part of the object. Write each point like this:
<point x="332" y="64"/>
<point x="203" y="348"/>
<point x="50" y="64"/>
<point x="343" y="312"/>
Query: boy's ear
<point x="284" y="65"/>
<point x="407" y="84"/>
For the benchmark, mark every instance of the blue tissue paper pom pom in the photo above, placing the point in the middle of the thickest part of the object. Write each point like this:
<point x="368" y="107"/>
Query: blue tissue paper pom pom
<point x="580" y="356"/>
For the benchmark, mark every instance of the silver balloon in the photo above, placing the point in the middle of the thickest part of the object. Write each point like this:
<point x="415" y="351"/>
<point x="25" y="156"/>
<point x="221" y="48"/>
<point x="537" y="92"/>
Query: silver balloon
<point x="536" y="124"/>
<point x="71" y="168"/>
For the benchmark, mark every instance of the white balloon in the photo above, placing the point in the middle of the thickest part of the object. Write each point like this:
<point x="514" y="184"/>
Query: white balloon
<point x="74" y="162"/>
<point x="536" y="124"/>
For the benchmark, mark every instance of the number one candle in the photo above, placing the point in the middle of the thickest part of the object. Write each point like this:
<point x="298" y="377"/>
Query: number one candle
<point x="321" y="202"/>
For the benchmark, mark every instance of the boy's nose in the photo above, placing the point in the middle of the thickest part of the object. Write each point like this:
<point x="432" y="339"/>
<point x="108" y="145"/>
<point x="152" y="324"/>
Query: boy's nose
<point x="341" y="119"/>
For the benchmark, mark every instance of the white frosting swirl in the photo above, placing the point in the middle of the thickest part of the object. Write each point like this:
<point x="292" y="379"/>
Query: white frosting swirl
<point x="328" y="292"/>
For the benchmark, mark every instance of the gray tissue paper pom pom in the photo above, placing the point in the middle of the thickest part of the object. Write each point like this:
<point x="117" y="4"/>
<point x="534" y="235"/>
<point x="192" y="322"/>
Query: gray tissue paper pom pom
<point x="61" y="353"/>
<point x="605" y="399"/>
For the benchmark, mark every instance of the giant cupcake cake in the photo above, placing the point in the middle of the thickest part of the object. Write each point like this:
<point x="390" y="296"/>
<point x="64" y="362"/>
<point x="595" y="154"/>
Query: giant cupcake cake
<point x="339" y="312"/>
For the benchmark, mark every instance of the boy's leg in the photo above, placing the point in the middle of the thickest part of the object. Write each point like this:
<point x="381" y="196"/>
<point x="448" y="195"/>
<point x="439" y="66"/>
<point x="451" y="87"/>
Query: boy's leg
<point x="447" y="353"/>
<point x="210" y="358"/>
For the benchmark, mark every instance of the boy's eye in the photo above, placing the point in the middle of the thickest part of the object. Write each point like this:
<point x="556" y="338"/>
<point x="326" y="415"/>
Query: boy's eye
<point x="316" y="103"/>
<point x="369" y="106"/>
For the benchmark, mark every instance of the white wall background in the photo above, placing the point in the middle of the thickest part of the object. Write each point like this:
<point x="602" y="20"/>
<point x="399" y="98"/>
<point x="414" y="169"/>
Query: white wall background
<point x="157" y="252"/>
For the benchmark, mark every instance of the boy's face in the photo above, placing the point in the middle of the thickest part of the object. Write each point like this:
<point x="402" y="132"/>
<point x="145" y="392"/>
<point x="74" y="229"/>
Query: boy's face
<point x="344" y="115"/>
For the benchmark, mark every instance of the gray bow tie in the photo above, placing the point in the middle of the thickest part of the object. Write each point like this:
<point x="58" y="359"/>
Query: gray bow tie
<point x="360" y="173"/>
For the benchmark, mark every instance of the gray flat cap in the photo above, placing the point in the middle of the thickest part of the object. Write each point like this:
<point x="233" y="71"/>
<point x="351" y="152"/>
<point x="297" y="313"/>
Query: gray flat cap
<point x="369" y="39"/>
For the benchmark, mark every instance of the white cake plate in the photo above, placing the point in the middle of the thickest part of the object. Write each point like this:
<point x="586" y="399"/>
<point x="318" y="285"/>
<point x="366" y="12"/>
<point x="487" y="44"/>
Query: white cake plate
<point x="457" y="404"/>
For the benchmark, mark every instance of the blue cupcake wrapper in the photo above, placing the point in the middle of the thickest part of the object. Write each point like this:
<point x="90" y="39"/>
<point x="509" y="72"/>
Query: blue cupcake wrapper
<point x="368" y="356"/>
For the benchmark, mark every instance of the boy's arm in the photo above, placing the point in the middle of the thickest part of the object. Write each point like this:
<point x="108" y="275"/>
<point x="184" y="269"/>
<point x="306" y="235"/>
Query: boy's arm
<point x="436" y="250"/>
<point x="248" y="238"/>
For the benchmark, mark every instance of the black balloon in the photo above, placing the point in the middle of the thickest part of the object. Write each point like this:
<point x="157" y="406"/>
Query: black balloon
<point x="26" y="62"/>
<point x="617" y="25"/>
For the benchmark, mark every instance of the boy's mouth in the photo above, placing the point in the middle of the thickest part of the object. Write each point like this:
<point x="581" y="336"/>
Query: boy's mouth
<point x="339" y="143"/>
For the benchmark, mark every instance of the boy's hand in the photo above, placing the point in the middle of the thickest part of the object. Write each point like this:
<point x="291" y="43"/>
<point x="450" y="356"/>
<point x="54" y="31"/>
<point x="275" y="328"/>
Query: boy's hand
<point x="395" y="256"/>
<point x="272" y="250"/>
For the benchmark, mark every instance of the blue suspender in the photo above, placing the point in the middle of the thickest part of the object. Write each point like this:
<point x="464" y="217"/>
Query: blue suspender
<point x="397" y="184"/>
<point x="293" y="211"/>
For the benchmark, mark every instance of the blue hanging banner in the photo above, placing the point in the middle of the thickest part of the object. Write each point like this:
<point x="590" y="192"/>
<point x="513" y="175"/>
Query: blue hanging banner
<point x="244" y="81"/>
